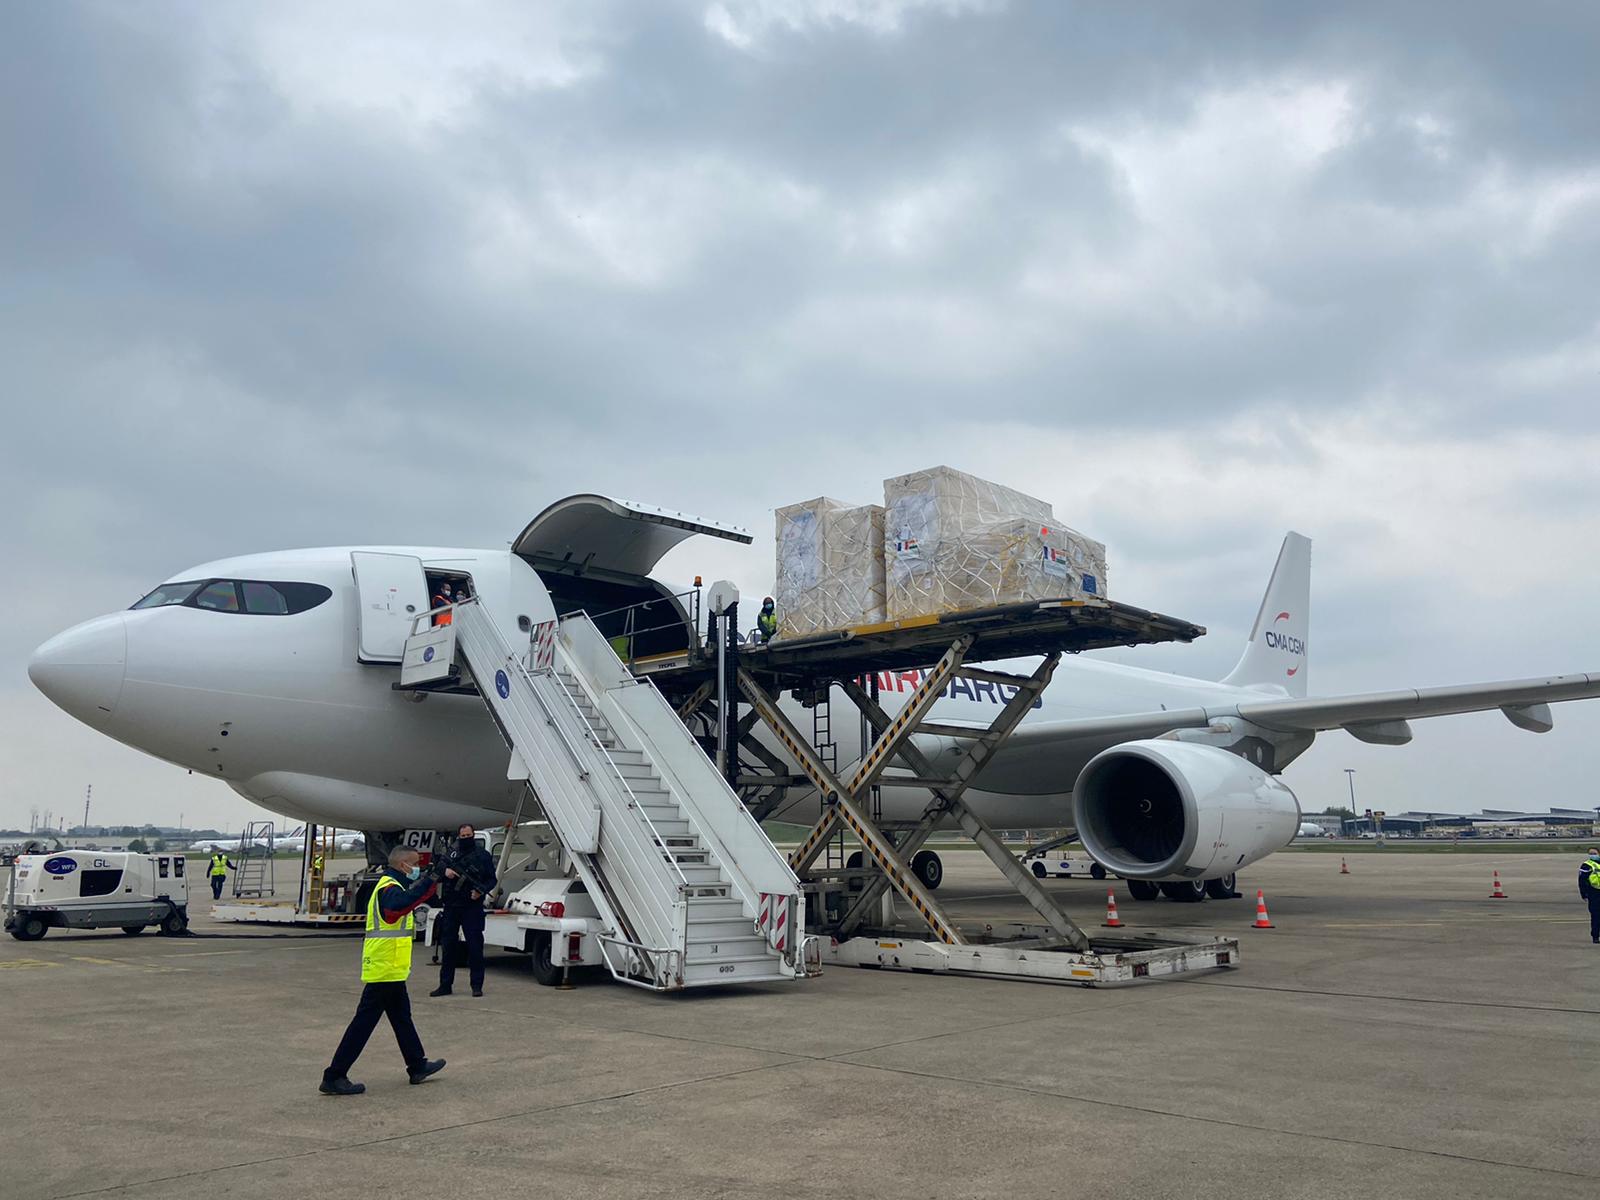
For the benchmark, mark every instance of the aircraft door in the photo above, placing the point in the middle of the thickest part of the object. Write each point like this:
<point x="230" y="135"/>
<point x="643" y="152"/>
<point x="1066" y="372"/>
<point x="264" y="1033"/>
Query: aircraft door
<point x="392" y="592"/>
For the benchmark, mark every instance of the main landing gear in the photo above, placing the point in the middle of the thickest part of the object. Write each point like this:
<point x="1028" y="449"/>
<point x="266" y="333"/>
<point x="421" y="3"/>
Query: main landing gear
<point x="1188" y="891"/>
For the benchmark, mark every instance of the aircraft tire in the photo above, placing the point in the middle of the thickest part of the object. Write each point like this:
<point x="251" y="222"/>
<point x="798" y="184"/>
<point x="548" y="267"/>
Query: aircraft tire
<point x="928" y="868"/>
<point x="545" y="969"/>
<point x="1224" y="888"/>
<point x="1143" y="889"/>
<point x="1038" y="870"/>
<point x="1188" y="891"/>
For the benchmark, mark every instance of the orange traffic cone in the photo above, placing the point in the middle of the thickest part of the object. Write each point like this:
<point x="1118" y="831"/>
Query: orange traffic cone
<point x="1499" y="892"/>
<point x="1344" y="867"/>
<point x="1262" y="921"/>
<point x="1111" y="921"/>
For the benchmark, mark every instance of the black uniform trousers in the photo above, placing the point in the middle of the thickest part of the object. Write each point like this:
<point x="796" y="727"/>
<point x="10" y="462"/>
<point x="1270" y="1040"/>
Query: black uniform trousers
<point x="468" y="918"/>
<point x="216" y="886"/>
<point x="378" y="1000"/>
<point x="1594" y="914"/>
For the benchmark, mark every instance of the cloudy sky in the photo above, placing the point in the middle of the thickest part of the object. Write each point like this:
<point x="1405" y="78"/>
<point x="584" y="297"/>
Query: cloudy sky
<point x="304" y="274"/>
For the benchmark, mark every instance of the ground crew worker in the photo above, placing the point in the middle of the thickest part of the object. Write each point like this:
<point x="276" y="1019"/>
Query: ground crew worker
<point x="441" y="599"/>
<point x="1589" y="889"/>
<point x="385" y="966"/>
<point x="468" y="877"/>
<point x="767" y="621"/>
<point x="220" y="866"/>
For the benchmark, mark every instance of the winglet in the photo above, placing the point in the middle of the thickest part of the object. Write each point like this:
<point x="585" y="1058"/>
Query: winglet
<point x="1279" y="652"/>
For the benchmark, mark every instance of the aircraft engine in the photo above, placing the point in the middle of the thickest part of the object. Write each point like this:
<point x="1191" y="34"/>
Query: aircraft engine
<point x="1171" y="810"/>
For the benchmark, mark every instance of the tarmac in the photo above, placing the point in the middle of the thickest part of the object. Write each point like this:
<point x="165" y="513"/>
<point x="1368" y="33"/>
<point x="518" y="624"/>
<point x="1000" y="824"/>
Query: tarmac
<point x="1398" y="1034"/>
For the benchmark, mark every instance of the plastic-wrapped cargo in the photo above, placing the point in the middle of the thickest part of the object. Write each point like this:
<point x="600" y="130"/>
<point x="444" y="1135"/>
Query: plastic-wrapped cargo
<point x="829" y="566"/>
<point x="955" y="542"/>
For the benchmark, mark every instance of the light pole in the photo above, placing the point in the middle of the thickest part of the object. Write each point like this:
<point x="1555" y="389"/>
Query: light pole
<point x="1350" y="777"/>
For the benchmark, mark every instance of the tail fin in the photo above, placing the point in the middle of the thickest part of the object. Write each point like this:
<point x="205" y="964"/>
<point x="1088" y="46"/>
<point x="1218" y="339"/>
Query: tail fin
<point x="1279" y="652"/>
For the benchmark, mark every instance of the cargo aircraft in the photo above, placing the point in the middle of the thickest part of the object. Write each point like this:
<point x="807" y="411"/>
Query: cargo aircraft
<point x="274" y="673"/>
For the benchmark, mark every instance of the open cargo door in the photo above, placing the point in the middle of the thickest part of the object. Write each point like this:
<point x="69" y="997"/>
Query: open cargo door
<point x="617" y="539"/>
<point x="392" y="589"/>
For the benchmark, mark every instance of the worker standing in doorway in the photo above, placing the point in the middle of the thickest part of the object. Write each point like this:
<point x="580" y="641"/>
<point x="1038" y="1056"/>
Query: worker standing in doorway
<point x="468" y="871"/>
<point x="767" y="621"/>
<point x="220" y="866"/>
<point x="1589" y="889"/>
<point x="385" y="966"/>
<point x="442" y="599"/>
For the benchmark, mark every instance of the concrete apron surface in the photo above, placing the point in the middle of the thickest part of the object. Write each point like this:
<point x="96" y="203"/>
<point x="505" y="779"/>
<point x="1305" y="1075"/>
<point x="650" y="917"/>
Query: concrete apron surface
<point x="1398" y="1034"/>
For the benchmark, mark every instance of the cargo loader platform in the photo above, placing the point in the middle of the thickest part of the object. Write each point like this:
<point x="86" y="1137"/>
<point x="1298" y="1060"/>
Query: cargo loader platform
<point x="1030" y="629"/>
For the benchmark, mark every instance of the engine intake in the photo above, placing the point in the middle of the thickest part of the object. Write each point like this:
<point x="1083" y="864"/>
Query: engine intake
<point x="1160" y="809"/>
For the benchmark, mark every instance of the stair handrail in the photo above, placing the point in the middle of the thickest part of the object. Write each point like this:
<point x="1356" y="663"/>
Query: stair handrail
<point x="656" y="856"/>
<point x="633" y="799"/>
<point x="736" y="869"/>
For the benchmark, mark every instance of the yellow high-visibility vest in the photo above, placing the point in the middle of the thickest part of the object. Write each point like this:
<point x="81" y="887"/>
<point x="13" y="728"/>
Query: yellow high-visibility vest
<point x="219" y="864"/>
<point x="386" y="950"/>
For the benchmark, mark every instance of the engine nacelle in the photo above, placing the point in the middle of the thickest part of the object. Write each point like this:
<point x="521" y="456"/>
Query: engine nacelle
<point x="1161" y="809"/>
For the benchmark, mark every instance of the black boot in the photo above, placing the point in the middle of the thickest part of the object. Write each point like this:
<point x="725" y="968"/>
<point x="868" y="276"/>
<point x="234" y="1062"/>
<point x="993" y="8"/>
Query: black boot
<point x="431" y="1067"/>
<point x="440" y="991"/>
<point x="342" y="1087"/>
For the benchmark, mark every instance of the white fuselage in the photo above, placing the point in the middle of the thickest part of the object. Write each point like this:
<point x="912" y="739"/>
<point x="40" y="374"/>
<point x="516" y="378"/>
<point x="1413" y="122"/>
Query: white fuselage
<point x="279" y="708"/>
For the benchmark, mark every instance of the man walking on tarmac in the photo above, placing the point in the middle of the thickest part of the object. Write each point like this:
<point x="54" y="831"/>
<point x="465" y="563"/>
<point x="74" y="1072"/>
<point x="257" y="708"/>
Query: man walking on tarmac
<point x="220" y="866"/>
<point x="1589" y="889"/>
<point x="469" y="876"/>
<point x="385" y="965"/>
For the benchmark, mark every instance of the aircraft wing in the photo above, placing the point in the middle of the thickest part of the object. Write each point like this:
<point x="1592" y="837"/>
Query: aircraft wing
<point x="1524" y="701"/>
<point x="1036" y="751"/>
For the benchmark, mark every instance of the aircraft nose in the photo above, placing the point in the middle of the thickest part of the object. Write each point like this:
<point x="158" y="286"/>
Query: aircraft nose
<point x="82" y="669"/>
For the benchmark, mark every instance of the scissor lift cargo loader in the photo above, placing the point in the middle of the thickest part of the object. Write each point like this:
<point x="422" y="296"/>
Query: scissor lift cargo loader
<point x="850" y="925"/>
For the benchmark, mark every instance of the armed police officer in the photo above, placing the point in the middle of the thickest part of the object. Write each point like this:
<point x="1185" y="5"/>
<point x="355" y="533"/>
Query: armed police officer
<point x="466" y="874"/>
<point x="1589" y="889"/>
<point x="385" y="966"/>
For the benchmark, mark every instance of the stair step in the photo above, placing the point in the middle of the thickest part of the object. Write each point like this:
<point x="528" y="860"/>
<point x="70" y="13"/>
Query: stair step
<point x="688" y="858"/>
<point x="631" y="771"/>
<point x="703" y="947"/>
<point x="708" y="911"/>
<point x="702" y="875"/>
<point x="727" y="931"/>
<point x="761" y="969"/>
<point x="634" y="757"/>
<point x="673" y="828"/>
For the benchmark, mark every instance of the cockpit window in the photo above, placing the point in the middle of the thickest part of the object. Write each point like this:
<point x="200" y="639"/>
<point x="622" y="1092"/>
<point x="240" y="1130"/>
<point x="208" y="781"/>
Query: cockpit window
<point x="254" y="596"/>
<point x="262" y="597"/>
<point x="168" y="593"/>
<point x="220" y="595"/>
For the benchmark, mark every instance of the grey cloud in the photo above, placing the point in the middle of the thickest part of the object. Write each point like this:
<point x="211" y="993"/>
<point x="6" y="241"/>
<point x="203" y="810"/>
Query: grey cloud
<point x="239" y="316"/>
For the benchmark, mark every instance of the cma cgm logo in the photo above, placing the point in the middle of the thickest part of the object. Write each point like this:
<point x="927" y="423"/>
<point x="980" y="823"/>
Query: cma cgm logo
<point x="1284" y="641"/>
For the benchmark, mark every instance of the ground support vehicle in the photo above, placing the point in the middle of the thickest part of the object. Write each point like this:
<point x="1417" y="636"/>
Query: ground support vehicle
<point x="1062" y="864"/>
<point x="95" y="889"/>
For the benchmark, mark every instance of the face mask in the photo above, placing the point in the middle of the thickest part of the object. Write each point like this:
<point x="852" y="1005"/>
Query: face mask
<point x="414" y="874"/>
<point x="467" y="843"/>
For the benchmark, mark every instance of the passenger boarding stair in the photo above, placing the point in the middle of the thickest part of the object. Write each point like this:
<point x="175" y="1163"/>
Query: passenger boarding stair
<point x="690" y="888"/>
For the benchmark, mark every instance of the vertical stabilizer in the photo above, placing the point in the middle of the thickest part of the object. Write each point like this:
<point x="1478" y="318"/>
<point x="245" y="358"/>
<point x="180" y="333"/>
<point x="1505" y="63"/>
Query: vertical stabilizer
<point x="1279" y="652"/>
